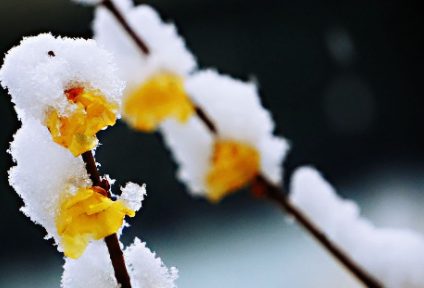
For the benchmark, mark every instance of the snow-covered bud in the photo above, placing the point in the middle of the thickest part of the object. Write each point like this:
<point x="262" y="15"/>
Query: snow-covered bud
<point x="68" y="85"/>
<point x="244" y="147"/>
<point x="393" y="256"/>
<point x="155" y="81"/>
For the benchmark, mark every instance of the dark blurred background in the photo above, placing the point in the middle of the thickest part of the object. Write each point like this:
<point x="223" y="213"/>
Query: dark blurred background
<point x="343" y="80"/>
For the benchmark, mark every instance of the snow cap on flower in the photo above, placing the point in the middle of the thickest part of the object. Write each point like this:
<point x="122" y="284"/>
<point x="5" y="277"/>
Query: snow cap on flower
<point x="43" y="170"/>
<point x="69" y="85"/>
<point x="244" y="146"/>
<point x="41" y="68"/>
<point x="393" y="256"/>
<point x="155" y="82"/>
<point x="94" y="268"/>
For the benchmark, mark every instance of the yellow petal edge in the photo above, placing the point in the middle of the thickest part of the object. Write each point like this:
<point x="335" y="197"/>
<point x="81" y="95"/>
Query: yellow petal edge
<point x="234" y="166"/>
<point x="78" y="132"/>
<point x="87" y="215"/>
<point x="161" y="97"/>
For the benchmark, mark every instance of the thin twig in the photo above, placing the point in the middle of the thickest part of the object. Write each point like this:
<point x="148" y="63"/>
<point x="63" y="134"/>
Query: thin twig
<point x="108" y="4"/>
<point x="112" y="241"/>
<point x="118" y="261"/>
<point x="279" y="196"/>
<point x="206" y="120"/>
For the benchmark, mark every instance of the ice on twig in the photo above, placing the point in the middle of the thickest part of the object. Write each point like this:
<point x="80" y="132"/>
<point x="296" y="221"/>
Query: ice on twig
<point x="393" y="256"/>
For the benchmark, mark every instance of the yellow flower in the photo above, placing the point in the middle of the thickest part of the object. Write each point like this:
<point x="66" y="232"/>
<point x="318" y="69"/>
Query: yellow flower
<point x="78" y="131"/>
<point x="89" y="214"/>
<point x="160" y="97"/>
<point x="234" y="166"/>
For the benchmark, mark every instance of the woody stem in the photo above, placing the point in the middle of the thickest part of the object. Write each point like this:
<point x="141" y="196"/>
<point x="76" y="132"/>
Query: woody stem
<point x="112" y="241"/>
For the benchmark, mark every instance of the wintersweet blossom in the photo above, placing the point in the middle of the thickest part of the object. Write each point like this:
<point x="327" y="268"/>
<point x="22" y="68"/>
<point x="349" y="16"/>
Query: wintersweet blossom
<point x="94" y="268"/>
<point x="155" y="81"/>
<point x="89" y="214"/>
<point x="68" y="85"/>
<point x="394" y="256"/>
<point x="215" y="165"/>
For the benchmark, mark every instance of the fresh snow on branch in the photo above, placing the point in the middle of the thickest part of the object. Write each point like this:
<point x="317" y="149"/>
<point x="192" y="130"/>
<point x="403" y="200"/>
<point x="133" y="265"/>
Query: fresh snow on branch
<point x="394" y="256"/>
<point x="94" y="268"/>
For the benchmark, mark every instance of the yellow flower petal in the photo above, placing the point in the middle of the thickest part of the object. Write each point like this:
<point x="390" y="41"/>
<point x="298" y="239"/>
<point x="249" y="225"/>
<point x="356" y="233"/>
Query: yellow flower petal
<point x="234" y="166"/>
<point x="77" y="132"/>
<point x="161" y="97"/>
<point x="89" y="214"/>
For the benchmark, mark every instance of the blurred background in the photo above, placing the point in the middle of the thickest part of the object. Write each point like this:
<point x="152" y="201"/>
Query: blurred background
<point x="343" y="80"/>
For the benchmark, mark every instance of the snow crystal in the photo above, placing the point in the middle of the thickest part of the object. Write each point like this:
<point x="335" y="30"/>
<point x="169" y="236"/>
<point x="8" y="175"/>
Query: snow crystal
<point x="94" y="268"/>
<point x="168" y="52"/>
<point x="133" y="194"/>
<point x="147" y="271"/>
<point x="235" y="109"/>
<point x="394" y="256"/>
<point x="44" y="171"/>
<point x="41" y="68"/>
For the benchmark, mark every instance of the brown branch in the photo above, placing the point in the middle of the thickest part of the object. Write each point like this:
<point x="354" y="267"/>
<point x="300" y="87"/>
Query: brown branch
<point x="279" y="196"/>
<point x="206" y="120"/>
<point x="112" y="241"/>
<point x="118" y="261"/>
<point x="90" y="166"/>
<point x="108" y="4"/>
